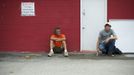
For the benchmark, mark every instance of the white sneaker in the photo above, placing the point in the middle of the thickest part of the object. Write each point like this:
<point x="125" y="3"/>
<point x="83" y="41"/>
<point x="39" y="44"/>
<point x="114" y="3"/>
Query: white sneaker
<point x="66" y="54"/>
<point x="50" y="53"/>
<point x="112" y="55"/>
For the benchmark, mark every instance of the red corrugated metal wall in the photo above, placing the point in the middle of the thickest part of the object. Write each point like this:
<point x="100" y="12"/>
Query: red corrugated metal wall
<point x="31" y="34"/>
<point x="120" y="9"/>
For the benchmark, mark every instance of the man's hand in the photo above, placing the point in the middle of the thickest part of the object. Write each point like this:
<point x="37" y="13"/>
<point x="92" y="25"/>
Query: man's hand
<point x="97" y="47"/>
<point x="112" y="37"/>
<point x="98" y="51"/>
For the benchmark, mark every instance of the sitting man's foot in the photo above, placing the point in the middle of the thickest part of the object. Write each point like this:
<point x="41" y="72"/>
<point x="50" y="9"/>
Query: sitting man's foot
<point x="113" y="55"/>
<point x="110" y="53"/>
<point x="98" y="53"/>
<point x="50" y="53"/>
<point x="66" y="53"/>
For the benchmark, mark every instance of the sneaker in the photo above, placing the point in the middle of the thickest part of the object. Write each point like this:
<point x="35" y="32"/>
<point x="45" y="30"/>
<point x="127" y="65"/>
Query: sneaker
<point x="50" y="53"/>
<point x="66" y="54"/>
<point x="113" y="55"/>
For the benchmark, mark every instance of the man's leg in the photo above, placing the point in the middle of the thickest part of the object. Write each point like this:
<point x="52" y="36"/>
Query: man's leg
<point x="102" y="48"/>
<point x="51" y="48"/>
<point x="65" y="48"/>
<point x="110" y="47"/>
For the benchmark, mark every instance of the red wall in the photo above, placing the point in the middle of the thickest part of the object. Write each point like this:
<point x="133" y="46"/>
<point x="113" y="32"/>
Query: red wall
<point x="120" y="9"/>
<point x="31" y="34"/>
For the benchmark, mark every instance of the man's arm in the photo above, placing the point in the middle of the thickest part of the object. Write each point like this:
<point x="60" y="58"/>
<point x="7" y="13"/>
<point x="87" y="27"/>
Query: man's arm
<point x="61" y="39"/>
<point x="97" y="47"/>
<point x="58" y="39"/>
<point x="97" y="44"/>
<point x="113" y="37"/>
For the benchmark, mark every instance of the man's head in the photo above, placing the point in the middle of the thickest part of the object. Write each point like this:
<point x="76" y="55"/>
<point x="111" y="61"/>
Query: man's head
<point x="57" y="31"/>
<point x="107" y="27"/>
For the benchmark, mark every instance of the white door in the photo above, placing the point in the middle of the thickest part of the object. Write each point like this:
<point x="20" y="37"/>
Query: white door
<point x="124" y="28"/>
<point x="93" y="18"/>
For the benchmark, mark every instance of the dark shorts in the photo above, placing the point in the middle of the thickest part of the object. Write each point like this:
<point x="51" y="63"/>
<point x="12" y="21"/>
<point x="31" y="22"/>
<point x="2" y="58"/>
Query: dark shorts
<point x="58" y="50"/>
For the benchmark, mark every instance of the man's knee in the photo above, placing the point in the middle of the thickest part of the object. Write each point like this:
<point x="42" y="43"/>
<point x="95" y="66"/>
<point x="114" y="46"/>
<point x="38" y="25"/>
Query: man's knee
<point x="101" y="46"/>
<point x="51" y="41"/>
<point x="112" y="41"/>
<point x="63" y="42"/>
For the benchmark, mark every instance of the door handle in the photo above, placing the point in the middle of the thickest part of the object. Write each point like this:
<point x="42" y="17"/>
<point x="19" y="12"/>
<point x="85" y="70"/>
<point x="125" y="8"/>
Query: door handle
<point x="83" y="27"/>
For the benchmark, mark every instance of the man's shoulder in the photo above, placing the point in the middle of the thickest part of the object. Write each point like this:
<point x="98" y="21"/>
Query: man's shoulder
<point x="62" y="35"/>
<point x="53" y="35"/>
<point x="102" y="31"/>
<point x="111" y="30"/>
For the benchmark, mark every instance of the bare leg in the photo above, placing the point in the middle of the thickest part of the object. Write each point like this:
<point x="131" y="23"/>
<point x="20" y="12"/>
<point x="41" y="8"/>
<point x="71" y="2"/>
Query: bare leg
<point x="65" y="48"/>
<point x="51" y="45"/>
<point x="64" y="45"/>
<point x="51" y="48"/>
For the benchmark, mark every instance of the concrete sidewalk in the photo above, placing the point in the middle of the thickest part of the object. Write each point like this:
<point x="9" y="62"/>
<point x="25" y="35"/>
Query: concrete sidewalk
<point x="76" y="64"/>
